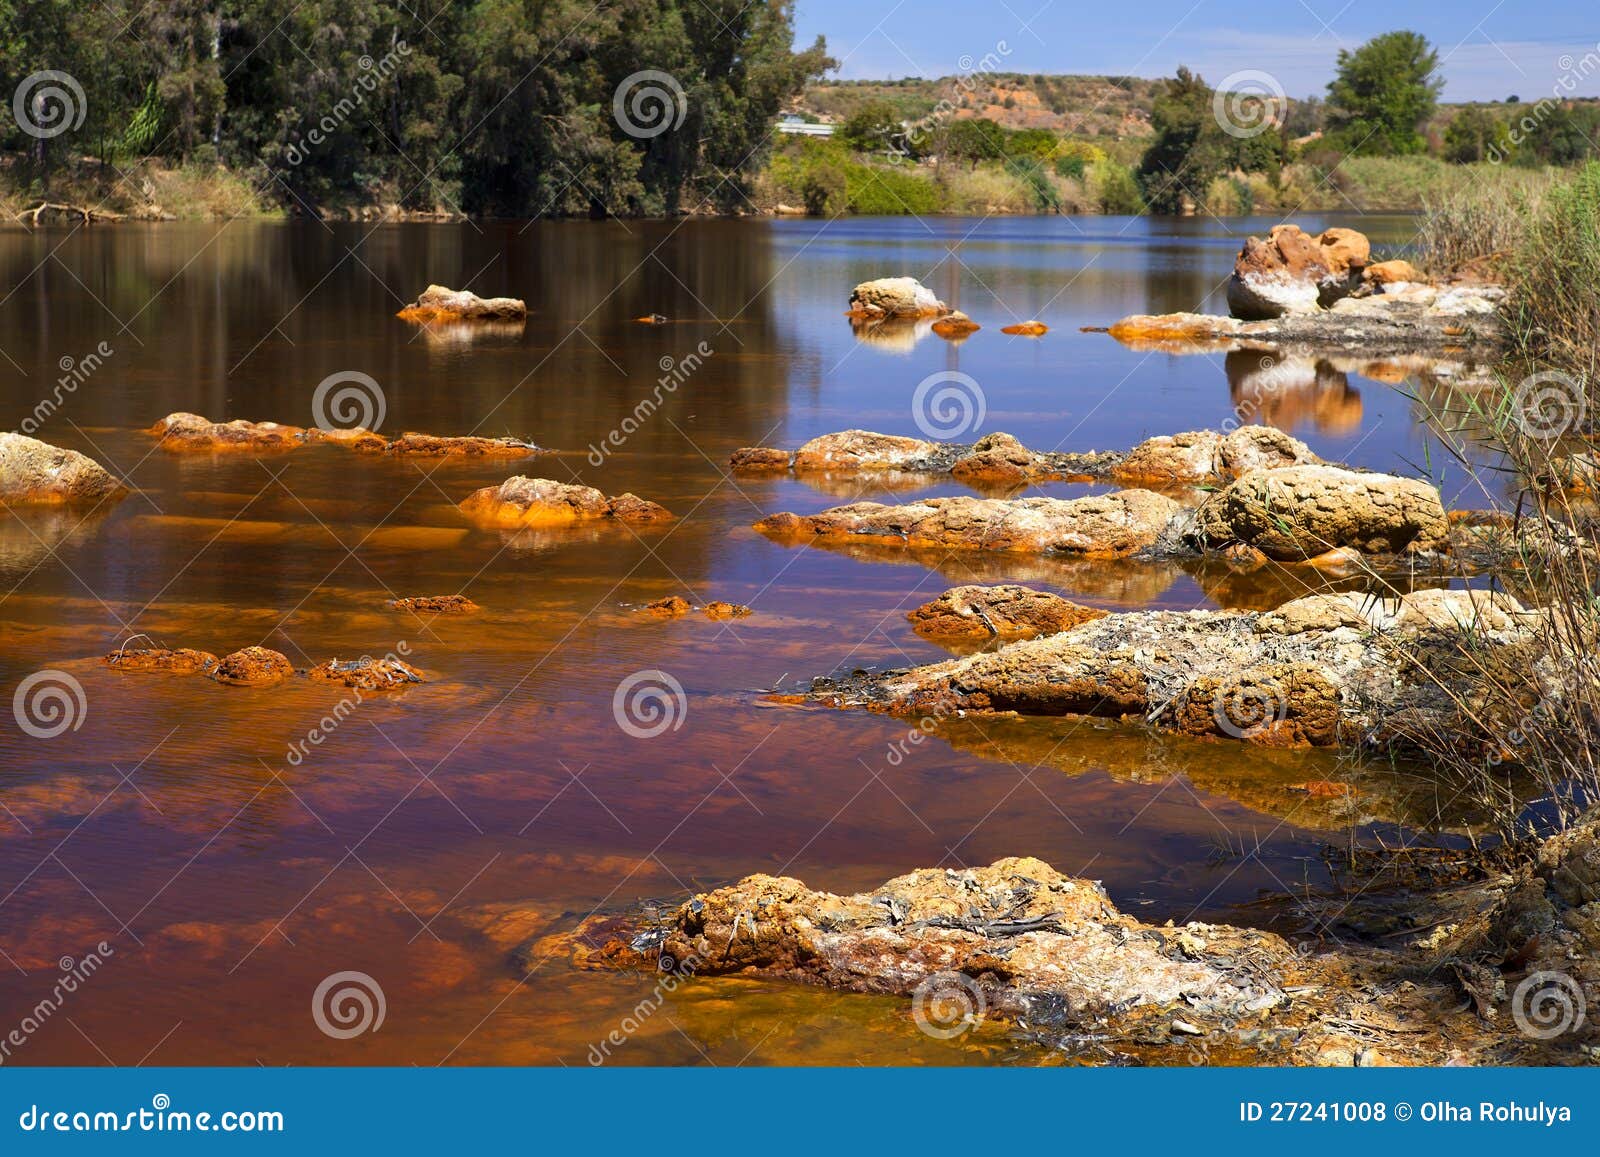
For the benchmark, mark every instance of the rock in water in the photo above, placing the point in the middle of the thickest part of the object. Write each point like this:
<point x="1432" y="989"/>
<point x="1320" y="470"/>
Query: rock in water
<point x="36" y="473"/>
<point x="1207" y="456"/>
<point x="1300" y="512"/>
<point x="1008" y="611"/>
<point x="1291" y="272"/>
<point x="439" y="303"/>
<point x="522" y="502"/>
<point x="1101" y="526"/>
<point x="895" y="297"/>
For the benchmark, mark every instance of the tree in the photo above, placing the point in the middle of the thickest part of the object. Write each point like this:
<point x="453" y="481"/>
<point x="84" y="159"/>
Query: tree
<point x="973" y="139"/>
<point x="1382" y="93"/>
<point x="1564" y="135"/>
<point x="872" y="127"/>
<point x="1470" y="135"/>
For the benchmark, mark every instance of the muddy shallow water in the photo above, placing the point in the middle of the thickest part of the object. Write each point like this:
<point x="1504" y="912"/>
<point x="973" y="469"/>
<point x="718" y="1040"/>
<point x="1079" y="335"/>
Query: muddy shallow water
<point x="231" y="863"/>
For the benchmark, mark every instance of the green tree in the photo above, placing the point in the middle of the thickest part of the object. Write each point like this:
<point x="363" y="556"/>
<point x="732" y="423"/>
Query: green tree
<point x="1470" y="135"/>
<point x="973" y="139"/>
<point x="872" y="128"/>
<point x="1382" y="93"/>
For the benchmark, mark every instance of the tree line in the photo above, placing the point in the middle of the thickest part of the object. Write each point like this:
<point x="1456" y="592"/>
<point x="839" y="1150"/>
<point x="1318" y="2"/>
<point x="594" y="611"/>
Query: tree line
<point x="504" y="107"/>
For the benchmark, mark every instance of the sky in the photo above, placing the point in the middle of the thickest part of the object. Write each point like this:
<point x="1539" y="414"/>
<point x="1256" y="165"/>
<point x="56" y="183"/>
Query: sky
<point x="1489" y="49"/>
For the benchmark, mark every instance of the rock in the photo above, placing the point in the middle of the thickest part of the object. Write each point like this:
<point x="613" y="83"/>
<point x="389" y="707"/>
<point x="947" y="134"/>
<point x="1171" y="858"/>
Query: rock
<point x="999" y="459"/>
<point x="1201" y="456"/>
<point x="721" y="610"/>
<point x="956" y="326"/>
<point x="1299" y="512"/>
<point x="1291" y="272"/>
<point x="1015" y="939"/>
<point x="862" y="450"/>
<point x="653" y="319"/>
<point x="367" y="674"/>
<point x="1026" y="329"/>
<point x="1386" y="273"/>
<point x="904" y="297"/>
<point x="1573" y="473"/>
<point x="412" y="445"/>
<point x="1160" y="329"/>
<point x="438" y="303"/>
<point x="521" y="501"/>
<point x="1101" y="526"/>
<point x="1320" y="670"/>
<point x="358" y="438"/>
<point x="1009" y="611"/>
<point x="183" y="431"/>
<point x="183" y="661"/>
<point x="35" y="473"/>
<point x="759" y="459"/>
<point x="434" y="605"/>
<point x="671" y="607"/>
<point x="252" y="667"/>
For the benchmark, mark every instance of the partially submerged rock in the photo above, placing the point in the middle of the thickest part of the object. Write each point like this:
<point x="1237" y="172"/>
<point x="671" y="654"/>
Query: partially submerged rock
<point x="434" y="605"/>
<point x="35" y="473"/>
<point x="1300" y="512"/>
<point x="759" y="459"/>
<point x="438" y="303"/>
<point x="853" y="451"/>
<point x="367" y="673"/>
<point x="1008" y="611"/>
<point x="1200" y="456"/>
<point x="1291" y="272"/>
<point x="413" y="445"/>
<point x="1026" y="329"/>
<point x="1318" y="671"/>
<point x="956" y="326"/>
<point x="531" y="502"/>
<point x="718" y="609"/>
<point x="671" y="607"/>
<point x="183" y="661"/>
<point x="895" y="297"/>
<point x="1103" y="526"/>
<point x="184" y="431"/>
<point x="1402" y="319"/>
<point x="253" y="667"/>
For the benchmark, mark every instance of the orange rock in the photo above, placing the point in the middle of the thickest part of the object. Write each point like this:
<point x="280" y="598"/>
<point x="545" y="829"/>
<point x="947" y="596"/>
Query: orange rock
<point x="1027" y="329"/>
<point x="956" y="325"/>
<point x="1389" y="272"/>
<point x="36" y="473"/>
<point x="438" y="303"/>
<point x="759" y="458"/>
<point x="522" y="502"/>
<point x="180" y="662"/>
<point x="253" y="667"/>
<point x="670" y="607"/>
<point x="652" y="319"/>
<point x="722" y="610"/>
<point x="1324" y="788"/>
<point x="183" y="431"/>
<point x="367" y="674"/>
<point x="434" y="446"/>
<point x="434" y="605"/>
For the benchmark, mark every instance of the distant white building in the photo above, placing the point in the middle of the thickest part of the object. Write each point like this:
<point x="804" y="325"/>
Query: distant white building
<point x="798" y="125"/>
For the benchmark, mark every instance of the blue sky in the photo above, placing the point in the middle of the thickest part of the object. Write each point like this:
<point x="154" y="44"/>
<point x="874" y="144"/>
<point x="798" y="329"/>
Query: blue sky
<point x="1491" y="48"/>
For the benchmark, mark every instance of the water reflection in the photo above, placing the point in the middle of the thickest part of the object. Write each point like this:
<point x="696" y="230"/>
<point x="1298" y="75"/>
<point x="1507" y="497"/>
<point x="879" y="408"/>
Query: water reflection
<point x="1292" y="392"/>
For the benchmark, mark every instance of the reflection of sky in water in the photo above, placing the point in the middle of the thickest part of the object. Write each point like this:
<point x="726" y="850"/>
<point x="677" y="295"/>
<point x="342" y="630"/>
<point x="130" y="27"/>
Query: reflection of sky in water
<point x="467" y="784"/>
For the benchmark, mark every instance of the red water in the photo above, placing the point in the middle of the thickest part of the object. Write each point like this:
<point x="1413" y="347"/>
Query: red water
<point x="437" y="826"/>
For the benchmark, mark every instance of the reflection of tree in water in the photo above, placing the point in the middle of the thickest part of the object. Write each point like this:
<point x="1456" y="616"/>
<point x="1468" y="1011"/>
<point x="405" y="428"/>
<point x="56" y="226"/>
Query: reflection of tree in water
<point x="1288" y="392"/>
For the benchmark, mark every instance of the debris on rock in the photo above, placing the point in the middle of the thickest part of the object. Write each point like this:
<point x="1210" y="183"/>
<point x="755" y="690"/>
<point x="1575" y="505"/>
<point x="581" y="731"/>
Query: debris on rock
<point x="367" y="674"/>
<point x="183" y="661"/>
<point x="722" y="610"/>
